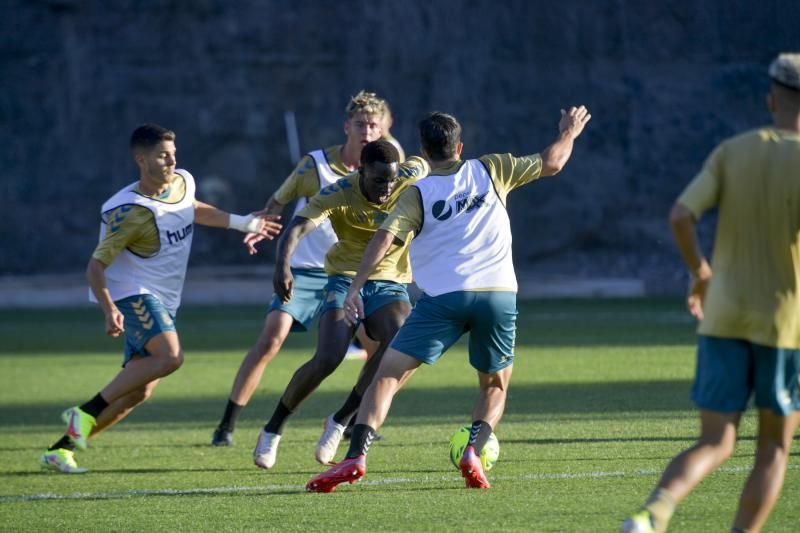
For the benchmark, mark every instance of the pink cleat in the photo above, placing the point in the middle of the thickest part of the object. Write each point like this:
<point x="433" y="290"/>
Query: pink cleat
<point x="350" y="470"/>
<point x="472" y="470"/>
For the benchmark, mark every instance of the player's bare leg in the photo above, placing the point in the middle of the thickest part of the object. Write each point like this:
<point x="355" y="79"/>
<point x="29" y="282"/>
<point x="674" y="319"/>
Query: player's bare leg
<point x="395" y="369"/>
<point x="165" y="358"/>
<point x="761" y="491"/>
<point x="334" y="337"/>
<point x="277" y="326"/>
<point x="122" y="407"/>
<point x="715" y="445"/>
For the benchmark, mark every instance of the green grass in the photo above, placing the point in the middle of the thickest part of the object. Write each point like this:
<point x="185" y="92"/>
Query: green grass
<point x="597" y="407"/>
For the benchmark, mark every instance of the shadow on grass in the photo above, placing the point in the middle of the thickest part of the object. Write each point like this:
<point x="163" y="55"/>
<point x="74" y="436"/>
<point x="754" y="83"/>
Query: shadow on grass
<point x="593" y="322"/>
<point x="412" y="403"/>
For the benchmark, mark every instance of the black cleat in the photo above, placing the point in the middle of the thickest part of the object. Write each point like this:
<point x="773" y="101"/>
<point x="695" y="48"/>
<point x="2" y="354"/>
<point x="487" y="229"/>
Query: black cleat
<point x="222" y="437"/>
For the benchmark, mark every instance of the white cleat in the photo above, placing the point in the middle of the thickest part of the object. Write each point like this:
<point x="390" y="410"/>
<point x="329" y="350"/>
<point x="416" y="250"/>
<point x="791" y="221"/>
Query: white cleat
<point x="329" y="441"/>
<point x="266" y="449"/>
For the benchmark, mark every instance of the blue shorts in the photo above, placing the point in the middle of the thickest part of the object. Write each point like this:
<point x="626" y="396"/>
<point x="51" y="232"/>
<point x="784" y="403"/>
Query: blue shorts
<point x="306" y="301"/>
<point x="437" y="322"/>
<point x="374" y="293"/>
<point x="729" y="371"/>
<point x="145" y="318"/>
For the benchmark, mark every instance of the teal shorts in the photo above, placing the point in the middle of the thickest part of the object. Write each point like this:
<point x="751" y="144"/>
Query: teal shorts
<point x="306" y="301"/>
<point x="437" y="322"/>
<point x="145" y="317"/>
<point x="375" y="294"/>
<point x="730" y="371"/>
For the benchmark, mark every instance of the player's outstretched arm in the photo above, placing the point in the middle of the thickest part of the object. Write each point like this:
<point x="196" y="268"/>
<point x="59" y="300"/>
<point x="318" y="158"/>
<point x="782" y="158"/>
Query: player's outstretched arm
<point x="282" y="279"/>
<point x="555" y="156"/>
<point x="251" y="239"/>
<point x="257" y="222"/>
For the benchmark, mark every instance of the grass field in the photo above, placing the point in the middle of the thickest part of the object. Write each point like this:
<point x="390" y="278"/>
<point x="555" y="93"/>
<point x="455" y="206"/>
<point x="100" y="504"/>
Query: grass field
<point x="597" y="407"/>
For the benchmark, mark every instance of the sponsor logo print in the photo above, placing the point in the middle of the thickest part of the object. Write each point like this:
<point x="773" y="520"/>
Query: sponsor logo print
<point x="175" y="237"/>
<point x="464" y="203"/>
<point x="439" y="212"/>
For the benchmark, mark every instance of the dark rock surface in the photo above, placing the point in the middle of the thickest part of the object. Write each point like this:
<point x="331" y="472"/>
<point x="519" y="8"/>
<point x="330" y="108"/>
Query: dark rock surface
<point x="665" y="81"/>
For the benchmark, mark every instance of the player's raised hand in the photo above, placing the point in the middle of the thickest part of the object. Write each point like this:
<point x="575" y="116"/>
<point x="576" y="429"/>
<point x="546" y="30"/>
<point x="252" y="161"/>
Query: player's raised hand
<point x="574" y="120"/>
<point x="283" y="283"/>
<point x="353" y="308"/>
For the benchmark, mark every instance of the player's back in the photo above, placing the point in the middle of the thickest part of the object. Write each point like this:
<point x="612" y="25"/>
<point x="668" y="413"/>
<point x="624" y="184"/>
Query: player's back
<point x="756" y="258"/>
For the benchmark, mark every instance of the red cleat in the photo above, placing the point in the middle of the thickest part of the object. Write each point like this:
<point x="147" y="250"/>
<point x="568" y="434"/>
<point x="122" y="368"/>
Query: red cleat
<point x="350" y="470"/>
<point x="472" y="470"/>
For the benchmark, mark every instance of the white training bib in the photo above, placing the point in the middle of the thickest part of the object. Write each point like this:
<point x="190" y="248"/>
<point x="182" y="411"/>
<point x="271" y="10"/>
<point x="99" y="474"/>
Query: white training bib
<point x="465" y="239"/>
<point x="311" y="250"/>
<point x="162" y="274"/>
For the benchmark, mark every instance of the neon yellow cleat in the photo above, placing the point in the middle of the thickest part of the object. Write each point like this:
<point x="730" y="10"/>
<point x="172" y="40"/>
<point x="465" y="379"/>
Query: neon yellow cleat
<point x="61" y="460"/>
<point x="641" y="522"/>
<point x="79" y="425"/>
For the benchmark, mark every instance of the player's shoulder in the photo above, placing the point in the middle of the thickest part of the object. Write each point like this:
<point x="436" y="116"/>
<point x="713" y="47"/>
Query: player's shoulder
<point x="413" y="167"/>
<point x="341" y="187"/>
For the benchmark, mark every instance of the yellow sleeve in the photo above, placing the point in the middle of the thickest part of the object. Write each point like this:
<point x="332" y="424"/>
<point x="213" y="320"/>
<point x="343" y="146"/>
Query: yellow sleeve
<point x="509" y="172"/>
<point x="414" y="168"/>
<point x="321" y="205"/>
<point x="128" y="226"/>
<point x="303" y="182"/>
<point x="406" y="218"/>
<point x="702" y="193"/>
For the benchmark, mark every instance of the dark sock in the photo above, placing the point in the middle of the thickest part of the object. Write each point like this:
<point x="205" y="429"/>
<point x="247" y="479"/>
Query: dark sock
<point x="479" y="434"/>
<point x="63" y="442"/>
<point x="361" y="440"/>
<point x="346" y="412"/>
<point x="278" y="420"/>
<point x="94" y="406"/>
<point x="230" y="416"/>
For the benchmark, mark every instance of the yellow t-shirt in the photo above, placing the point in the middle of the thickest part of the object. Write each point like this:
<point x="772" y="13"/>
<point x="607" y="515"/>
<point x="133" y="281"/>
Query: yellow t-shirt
<point x="134" y="227"/>
<point x="303" y="182"/>
<point x="507" y="173"/>
<point x="754" y="178"/>
<point x="355" y="220"/>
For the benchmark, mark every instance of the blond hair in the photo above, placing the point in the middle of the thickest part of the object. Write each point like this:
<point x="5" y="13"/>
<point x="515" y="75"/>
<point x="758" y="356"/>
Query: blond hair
<point x="367" y="103"/>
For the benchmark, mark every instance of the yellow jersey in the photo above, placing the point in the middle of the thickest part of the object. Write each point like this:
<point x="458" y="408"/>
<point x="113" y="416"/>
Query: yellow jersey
<point x="754" y="179"/>
<point x="355" y="220"/>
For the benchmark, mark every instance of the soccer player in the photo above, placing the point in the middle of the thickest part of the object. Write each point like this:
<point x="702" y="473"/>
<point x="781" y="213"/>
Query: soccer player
<point x="136" y="275"/>
<point x="363" y="124"/>
<point x="356" y="206"/>
<point x="749" y="310"/>
<point x="461" y="256"/>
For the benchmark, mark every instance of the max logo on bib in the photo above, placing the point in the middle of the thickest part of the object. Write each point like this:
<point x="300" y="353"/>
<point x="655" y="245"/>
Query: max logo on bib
<point x="466" y="203"/>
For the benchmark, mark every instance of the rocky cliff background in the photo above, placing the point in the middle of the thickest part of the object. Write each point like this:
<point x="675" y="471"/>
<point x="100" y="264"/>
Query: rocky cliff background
<point x="665" y="81"/>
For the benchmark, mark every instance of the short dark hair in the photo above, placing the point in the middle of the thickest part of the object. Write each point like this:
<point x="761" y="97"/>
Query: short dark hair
<point x="380" y="151"/>
<point x="439" y="135"/>
<point x="149" y="135"/>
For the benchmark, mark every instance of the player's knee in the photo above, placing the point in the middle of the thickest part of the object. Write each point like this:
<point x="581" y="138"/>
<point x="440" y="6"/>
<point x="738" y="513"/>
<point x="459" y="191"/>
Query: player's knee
<point x="723" y="446"/>
<point x="772" y="452"/>
<point x="170" y="361"/>
<point x="324" y="366"/>
<point x="268" y="346"/>
<point x="140" y="396"/>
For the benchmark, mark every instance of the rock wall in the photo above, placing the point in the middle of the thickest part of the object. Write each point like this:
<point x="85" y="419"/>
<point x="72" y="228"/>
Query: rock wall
<point x="665" y="81"/>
